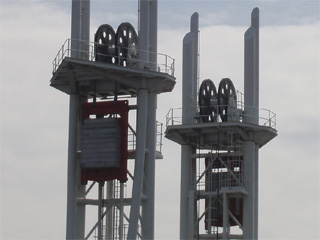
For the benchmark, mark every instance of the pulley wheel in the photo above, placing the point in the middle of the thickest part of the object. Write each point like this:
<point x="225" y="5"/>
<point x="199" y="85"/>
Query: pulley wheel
<point x="226" y="92"/>
<point x="127" y="45"/>
<point x="105" y="39"/>
<point x="207" y="99"/>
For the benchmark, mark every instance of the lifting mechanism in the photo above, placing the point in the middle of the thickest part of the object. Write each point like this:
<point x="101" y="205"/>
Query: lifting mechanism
<point x="103" y="78"/>
<point x="220" y="136"/>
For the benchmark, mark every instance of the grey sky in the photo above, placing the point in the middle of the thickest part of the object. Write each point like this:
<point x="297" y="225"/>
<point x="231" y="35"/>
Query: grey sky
<point x="34" y="117"/>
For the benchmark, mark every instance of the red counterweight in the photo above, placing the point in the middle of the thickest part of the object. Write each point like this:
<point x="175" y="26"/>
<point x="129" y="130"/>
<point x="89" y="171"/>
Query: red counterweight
<point x="104" y="141"/>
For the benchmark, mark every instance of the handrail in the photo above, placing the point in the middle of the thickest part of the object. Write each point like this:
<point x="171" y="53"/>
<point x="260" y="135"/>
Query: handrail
<point x="164" y="64"/>
<point x="266" y="117"/>
<point x="132" y="137"/>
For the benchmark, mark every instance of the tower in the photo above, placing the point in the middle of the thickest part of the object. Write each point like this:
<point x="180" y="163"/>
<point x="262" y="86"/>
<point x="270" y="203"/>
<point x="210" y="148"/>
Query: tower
<point x="103" y="78"/>
<point x="220" y="138"/>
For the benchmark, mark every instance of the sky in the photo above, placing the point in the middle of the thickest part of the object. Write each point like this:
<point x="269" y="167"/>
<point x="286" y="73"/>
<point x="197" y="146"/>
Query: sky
<point x="34" y="116"/>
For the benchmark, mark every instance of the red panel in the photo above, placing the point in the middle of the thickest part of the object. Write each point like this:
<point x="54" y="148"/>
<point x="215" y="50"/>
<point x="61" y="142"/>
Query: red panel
<point x="235" y="204"/>
<point x="100" y="109"/>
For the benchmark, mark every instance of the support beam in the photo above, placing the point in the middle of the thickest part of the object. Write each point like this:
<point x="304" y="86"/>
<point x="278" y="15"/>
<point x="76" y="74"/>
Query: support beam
<point x="255" y="25"/>
<point x="80" y="30"/>
<point x="148" y="210"/>
<point x="249" y="203"/>
<point x="142" y="101"/>
<point x="72" y="158"/>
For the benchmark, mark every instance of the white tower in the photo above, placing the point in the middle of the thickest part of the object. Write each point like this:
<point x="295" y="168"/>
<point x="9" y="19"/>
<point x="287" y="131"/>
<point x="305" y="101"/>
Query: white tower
<point x="101" y="140"/>
<point x="220" y="139"/>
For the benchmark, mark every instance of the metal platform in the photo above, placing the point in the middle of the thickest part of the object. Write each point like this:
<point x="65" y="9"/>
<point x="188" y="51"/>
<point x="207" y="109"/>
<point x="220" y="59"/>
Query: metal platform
<point x="91" y="78"/>
<point x="204" y="135"/>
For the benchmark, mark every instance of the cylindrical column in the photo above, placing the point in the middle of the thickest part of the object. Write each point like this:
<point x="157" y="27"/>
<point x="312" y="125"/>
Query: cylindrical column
<point x="144" y="34"/>
<point x="149" y="171"/>
<point x="194" y="28"/>
<point x="225" y="216"/>
<point x="80" y="30"/>
<point x="100" y="201"/>
<point x="255" y="25"/>
<point x="186" y="176"/>
<point x="109" y="215"/>
<point x="85" y="29"/>
<point x="153" y="33"/>
<point x="148" y="211"/>
<point x="249" y="83"/>
<point x="249" y="182"/>
<point x="121" y="211"/>
<point x="249" y="205"/>
<point x="142" y="102"/>
<point x="187" y="117"/>
<point x="72" y="158"/>
<point x="188" y="108"/>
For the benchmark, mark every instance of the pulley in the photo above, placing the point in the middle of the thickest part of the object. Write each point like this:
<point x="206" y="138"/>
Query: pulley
<point x="105" y="39"/>
<point x="226" y="97"/>
<point x="127" y="45"/>
<point x="208" y="101"/>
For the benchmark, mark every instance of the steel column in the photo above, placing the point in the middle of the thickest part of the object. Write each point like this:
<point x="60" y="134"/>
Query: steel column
<point x="225" y="217"/>
<point x="148" y="211"/>
<point x="110" y="214"/>
<point x="187" y="117"/>
<point x="255" y="25"/>
<point x="72" y="158"/>
<point x="80" y="30"/>
<point x="194" y="28"/>
<point x="249" y="203"/>
<point x="142" y="102"/>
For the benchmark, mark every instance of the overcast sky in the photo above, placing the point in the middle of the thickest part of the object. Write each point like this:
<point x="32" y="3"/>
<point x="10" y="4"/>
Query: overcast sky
<point x="34" y="116"/>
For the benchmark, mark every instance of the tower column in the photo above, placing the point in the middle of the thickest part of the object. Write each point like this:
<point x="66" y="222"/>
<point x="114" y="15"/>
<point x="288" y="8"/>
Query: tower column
<point x="80" y="30"/>
<point x="250" y="116"/>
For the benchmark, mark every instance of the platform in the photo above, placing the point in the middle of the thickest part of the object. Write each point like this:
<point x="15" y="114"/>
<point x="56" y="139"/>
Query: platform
<point x="91" y="78"/>
<point x="207" y="134"/>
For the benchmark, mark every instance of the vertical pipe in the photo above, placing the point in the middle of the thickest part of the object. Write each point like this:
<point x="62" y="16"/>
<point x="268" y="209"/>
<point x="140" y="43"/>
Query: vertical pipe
<point x="188" y="110"/>
<point x="191" y="216"/>
<point x="142" y="102"/>
<point x="249" y="84"/>
<point x="75" y="28"/>
<point x="149" y="187"/>
<point x="186" y="175"/>
<point x="148" y="210"/>
<point x="153" y="33"/>
<point x="144" y="34"/>
<point x="85" y="29"/>
<point x="121" y="211"/>
<point x="109" y="216"/>
<point x="194" y="28"/>
<point x="72" y="157"/>
<point x="225" y="217"/>
<point x="249" y="145"/>
<point x="248" y="201"/>
<point x="255" y="24"/>
<point x="187" y="117"/>
<point x="80" y="30"/>
<point x="100" y="199"/>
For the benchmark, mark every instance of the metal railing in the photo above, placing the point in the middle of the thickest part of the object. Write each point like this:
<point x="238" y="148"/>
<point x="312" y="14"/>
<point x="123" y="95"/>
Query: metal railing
<point x="132" y="135"/>
<point x="175" y="115"/>
<point x="164" y="64"/>
<point x="235" y="113"/>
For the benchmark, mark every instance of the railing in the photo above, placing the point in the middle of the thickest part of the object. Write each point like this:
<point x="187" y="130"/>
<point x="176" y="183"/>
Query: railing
<point x="175" y="115"/>
<point x="164" y="64"/>
<point x="236" y="113"/>
<point x="132" y="135"/>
